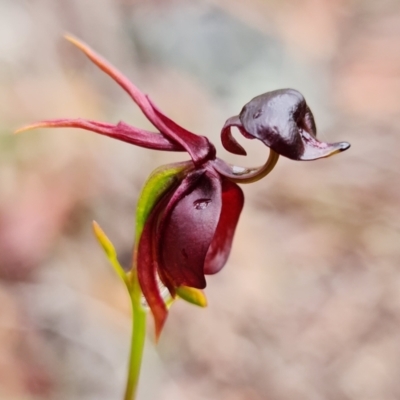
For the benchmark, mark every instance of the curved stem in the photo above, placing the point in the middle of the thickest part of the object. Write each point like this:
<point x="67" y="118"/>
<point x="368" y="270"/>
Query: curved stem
<point x="246" y="175"/>
<point x="137" y="339"/>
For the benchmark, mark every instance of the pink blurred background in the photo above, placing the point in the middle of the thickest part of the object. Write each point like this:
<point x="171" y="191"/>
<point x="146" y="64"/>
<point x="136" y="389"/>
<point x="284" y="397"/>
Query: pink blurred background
<point x="308" y="306"/>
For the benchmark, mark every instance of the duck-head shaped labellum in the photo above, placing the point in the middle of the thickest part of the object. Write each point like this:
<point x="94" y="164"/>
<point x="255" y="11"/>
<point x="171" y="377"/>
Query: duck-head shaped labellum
<point x="282" y="120"/>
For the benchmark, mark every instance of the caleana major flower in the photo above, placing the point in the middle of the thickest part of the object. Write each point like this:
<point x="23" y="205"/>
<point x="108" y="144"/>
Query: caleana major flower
<point x="188" y="212"/>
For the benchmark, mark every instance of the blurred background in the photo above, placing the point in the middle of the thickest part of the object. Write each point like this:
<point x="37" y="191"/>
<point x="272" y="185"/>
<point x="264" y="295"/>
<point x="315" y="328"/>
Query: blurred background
<point x="308" y="306"/>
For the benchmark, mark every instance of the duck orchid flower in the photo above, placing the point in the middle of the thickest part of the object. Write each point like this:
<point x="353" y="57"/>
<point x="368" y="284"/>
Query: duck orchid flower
<point x="188" y="212"/>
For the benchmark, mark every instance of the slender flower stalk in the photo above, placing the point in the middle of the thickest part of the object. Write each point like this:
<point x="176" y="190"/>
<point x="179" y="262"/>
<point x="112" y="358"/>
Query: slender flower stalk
<point x="138" y="338"/>
<point x="187" y="212"/>
<point x="138" y="313"/>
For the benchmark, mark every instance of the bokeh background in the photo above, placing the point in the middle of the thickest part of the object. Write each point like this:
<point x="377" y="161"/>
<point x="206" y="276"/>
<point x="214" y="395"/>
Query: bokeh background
<point x="308" y="306"/>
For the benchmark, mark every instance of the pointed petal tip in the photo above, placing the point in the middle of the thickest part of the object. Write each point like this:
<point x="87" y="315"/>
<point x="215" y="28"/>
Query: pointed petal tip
<point x="192" y="295"/>
<point x="314" y="152"/>
<point x="343" y="146"/>
<point x="159" y="321"/>
<point x="28" y="128"/>
<point x="74" y="40"/>
<point x="336" y="148"/>
<point x="55" y="123"/>
<point x="96" y="226"/>
<point x="81" y="46"/>
<point x="104" y="241"/>
<point x="20" y="130"/>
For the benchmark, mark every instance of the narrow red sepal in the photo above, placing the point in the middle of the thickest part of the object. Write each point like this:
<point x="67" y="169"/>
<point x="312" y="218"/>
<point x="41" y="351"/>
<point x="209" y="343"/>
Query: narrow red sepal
<point x="147" y="271"/>
<point x="232" y="204"/>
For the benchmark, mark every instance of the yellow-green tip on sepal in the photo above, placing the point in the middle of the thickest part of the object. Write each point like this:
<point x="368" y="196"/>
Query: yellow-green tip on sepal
<point x="192" y="295"/>
<point x="110" y="252"/>
<point x="104" y="241"/>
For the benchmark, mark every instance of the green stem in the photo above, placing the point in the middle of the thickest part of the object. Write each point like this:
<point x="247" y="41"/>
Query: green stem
<point x="137" y="339"/>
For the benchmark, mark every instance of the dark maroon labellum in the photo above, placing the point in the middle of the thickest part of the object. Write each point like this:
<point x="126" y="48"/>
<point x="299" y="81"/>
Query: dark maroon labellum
<point x="282" y="120"/>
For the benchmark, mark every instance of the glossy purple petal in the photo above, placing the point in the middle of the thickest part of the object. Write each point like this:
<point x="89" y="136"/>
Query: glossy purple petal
<point x="282" y="120"/>
<point x="232" y="204"/>
<point x="188" y="227"/>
